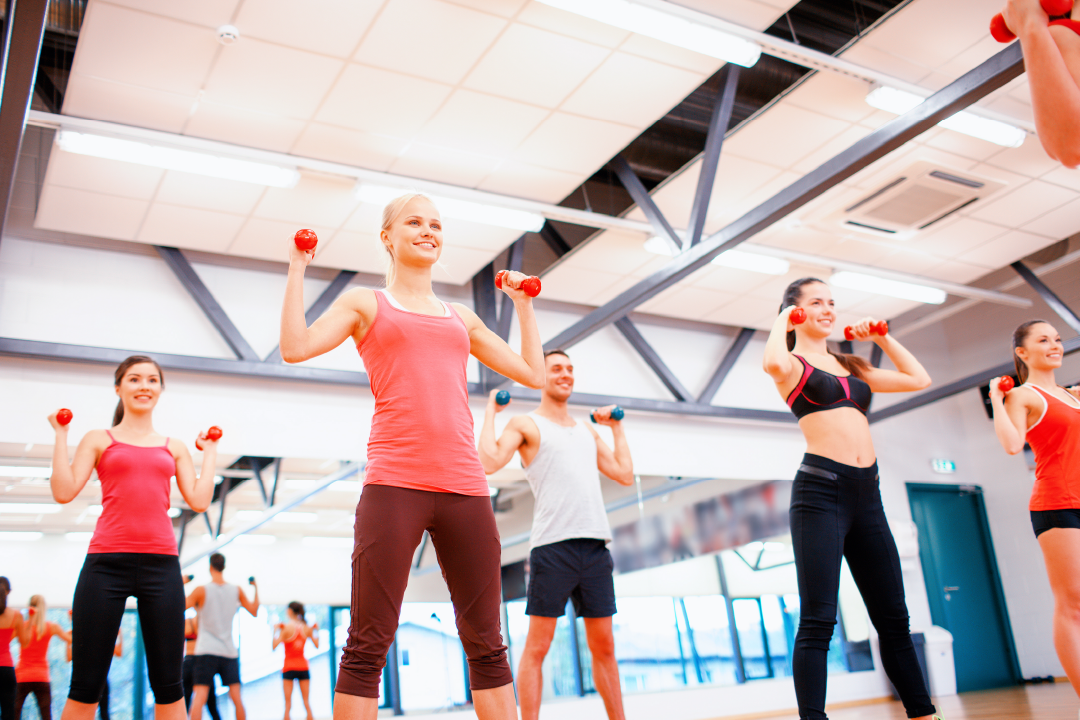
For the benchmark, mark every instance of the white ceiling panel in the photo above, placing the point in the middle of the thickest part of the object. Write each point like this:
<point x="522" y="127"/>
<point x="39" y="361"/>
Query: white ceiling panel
<point x="365" y="98"/>
<point x="785" y="134"/>
<point x="580" y="285"/>
<point x="756" y="14"/>
<point x="959" y="144"/>
<point x="1058" y="224"/>
<point x="911" y="261"/>
<point x="1029" y="159"/>
<point x="727" y="280"/>
<point x="264" y="77"/>
<point x="673" y="55"/>
<point x="1006" y="249"/>
<point x="366" y="218"/>
<point x="211" y="13"/>
<point x="89" y="213"/>
<point x="348" y="250"/>
<point x="244" y="127"/>
<point x="327" y="27"/>
<point x="102" y="176"/>
<point x="575" y="144"/>
<point x="531" y="181"/>
<point x="188" y="228"/>
<point x="455" y="167"/>
<point x="509" y="69"/>
<point x="477" y="236"/>
<point x="429" y="39"/>
<point x="955" y="236"/>
<point x="138" y="48"/>
<point x="315" y="200"/>
<point x="481" y="123"/>
<point x="1024" y="204"/>
<point x="656" y="88"/>
<point x="688" y="302"/>
<point x="100" y="99"/>
<point x="1063" y="176"/>
<point x="502" y="8"/>
<point x="199" y="191"/>
<point x="956" y="271"/>
<point x="457" y="265"/>
<point x="351" y="147"/>
<point x="833" y="95"/>
<point x="616" y="252"/>
<point x="270" y="239"/>
<point x="571" y="24"/>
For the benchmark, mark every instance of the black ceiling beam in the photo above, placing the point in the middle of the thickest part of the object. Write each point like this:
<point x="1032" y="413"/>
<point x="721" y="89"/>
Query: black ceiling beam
<point x="875" y="355"/>
<point x="957" y="386"/>
<point x="644" y="200"/>
<point x="506" y="305"/>
<point x="1049" y="297"/>
<point x="710" y="159"/>
<point x="487" y="309"/>
<point x="728" y="362"/>
<point x="987" y="77"/>
<point x="652" y="359"/>
<point x="554" y="239"/>
<point x="217" y="316"/>
<point x="48" y="92"/>
<point x="322" y="303"/>
<point x="23" y="30"/>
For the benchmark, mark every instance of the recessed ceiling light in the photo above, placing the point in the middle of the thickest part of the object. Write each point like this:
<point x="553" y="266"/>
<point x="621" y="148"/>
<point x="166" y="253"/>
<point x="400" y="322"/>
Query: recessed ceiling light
<point x="25" y="471"/>
<point x="29" y="508"/>
<point x="20" y="535"/>
<point x="254" y="539"/>
<point x="899" y="102"/>
<point x="78" y="536"/>
<point x="892" y="288"/>
<point x="328" y="542"/>
<point x="737" y="259"/>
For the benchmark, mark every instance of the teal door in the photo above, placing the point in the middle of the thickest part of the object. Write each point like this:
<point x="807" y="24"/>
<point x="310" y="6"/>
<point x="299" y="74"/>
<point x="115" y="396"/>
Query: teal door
<point x="962" y="583"/>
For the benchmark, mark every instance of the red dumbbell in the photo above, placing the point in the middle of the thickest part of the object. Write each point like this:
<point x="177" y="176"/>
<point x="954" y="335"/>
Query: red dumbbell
<point x="1003" y="34"/>
<point x="1005" y="384"/>
<point x="531" y="284"/>
<point x="876" y="328"/>
<point x="63" y="416"/>
<point x="214" y="433"/>
<point x="306" y="239"/>
<point x="797" y="316"/>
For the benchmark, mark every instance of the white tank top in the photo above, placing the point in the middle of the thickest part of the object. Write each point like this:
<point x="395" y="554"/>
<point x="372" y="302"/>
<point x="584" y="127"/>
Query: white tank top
<point x="216" y="620"/>
<point x="566" y="484"/>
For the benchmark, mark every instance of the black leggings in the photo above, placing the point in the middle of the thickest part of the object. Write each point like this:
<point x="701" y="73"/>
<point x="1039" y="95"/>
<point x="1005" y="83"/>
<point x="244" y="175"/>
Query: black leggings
<point x="836" y="512"/>
<point x="189" y="685"/>
<point x="7" y="693"/>
<point x="105" y="583"/>
<point x="42" y="693"/>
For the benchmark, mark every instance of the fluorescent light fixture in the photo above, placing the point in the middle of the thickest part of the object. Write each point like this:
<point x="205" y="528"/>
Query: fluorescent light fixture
<point x="79" y="537"/>
<point x="287" y="516"/>
<point x="254" y="539"/>
<point x="892" y="288"/>
<point x="316" y="541"/>
<point x="199" y="163"/>
<point x="899" y="102"/>
<point x="665" y="27"/>
<point x="737" y="259"/>
<point x="459" y="209"/>
<point x="20" y="535"/>
<point x="296" y="484"/>
<point x="352" y="486"/>
<point x="23" y="471"/>
<point x="29" y="508"/>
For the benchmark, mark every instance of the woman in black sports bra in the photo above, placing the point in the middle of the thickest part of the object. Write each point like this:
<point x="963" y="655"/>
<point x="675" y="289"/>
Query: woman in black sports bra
<point x="835" y="502"/>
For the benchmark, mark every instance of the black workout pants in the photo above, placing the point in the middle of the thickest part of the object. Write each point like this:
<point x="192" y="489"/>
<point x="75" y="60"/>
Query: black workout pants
<point x="42" y="693"/>
<point x="105" y="583"/>
<point x="189" y="685"/>
<point x="7" y="693"/>
<point x="836" y="512"/>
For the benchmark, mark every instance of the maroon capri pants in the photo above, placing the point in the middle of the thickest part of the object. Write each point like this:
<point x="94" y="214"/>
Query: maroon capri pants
<point x="390" y="522"/>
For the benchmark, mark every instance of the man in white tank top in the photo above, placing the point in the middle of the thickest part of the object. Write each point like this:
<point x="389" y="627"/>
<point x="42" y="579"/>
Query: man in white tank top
<point x="569" y="559"/>
<point x="215" y="651"/>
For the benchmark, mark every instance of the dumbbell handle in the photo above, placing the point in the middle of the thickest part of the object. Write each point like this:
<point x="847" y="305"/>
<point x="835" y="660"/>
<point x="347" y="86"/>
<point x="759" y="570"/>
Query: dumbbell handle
<point x="617" y="413"/>
<point x="876" y="328"/>
<point x="531" y="284"/>
<point x="1003" y="34"/>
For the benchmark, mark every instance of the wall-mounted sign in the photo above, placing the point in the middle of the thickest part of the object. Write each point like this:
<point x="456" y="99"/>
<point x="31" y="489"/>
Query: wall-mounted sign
<point x="945" y="467"/>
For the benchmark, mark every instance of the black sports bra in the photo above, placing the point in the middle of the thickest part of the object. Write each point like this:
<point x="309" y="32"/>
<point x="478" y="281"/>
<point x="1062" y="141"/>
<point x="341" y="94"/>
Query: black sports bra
<point x="819" y="390"/>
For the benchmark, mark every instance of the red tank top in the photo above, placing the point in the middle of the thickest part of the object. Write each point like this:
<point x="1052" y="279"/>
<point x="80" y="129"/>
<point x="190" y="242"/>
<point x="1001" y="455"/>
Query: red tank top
<point x="294" y="652"/>
<point x="422" y="430"/>
<point x="5" y="647"/>
<point x="1055" y="438"/>
<point x="33" y="664"/>
<point x="135" y="485"/>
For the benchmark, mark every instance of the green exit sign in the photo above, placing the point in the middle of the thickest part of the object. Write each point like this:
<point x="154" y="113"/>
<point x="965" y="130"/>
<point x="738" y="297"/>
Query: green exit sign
<point x="946" y="467"/>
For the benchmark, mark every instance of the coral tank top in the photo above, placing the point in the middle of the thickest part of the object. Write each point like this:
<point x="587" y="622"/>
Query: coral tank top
<point x="294" y="653"/>
<point x="1055" y="439"/>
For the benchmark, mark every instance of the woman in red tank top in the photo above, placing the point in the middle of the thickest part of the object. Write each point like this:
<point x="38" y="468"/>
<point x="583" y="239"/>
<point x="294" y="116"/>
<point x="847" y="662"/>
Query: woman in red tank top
<point x="133" y="550"/>
<point x="32" y="672"/>
<point x="1047" y="417"/>
<point x="423" y="471"/>
<point x="11" y="623"/>
<point x="294" y="636"/>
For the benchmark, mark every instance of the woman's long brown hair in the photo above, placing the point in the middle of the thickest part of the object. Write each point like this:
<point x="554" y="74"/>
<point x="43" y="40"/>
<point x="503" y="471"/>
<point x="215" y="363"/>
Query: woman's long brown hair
<point x="1019" y="336"/>
<point x="854" y="364"/>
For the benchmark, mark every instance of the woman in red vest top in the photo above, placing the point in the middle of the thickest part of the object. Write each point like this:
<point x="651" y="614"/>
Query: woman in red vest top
<point x="32" y="672"/>
<point x="294" y="636"/>
<point x="1046" y="416"/>
<point x="11" y="622"/>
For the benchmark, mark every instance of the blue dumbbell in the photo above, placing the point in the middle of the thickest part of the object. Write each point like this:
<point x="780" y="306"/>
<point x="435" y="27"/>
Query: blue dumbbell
<point x="502" y="397"/>
<point x="617" y="414"/>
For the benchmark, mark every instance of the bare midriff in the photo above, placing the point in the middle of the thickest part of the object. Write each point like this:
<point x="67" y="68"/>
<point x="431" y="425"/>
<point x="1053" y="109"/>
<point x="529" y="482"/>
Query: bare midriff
<point x="841" y="434"/>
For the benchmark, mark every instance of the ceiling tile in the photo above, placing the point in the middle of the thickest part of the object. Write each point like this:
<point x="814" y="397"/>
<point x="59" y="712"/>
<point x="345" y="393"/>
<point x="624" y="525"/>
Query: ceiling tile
<point x="955" y="236"/>
<point x="361" y="252"/>
<point x="535" y="66"/>
<point x="575" y="144"/>
<point x="244" y="127"/>
<point x="316" y="200"/>
<point x="612" y="251"/>
<point x="98" y="99"/>
<point x="727" y="280"/>
<point x="110" y="177"/>
<point x="502" y="8"/>
<point x="477" y="236"/>
<point x="1024" y="204"/>
<point x="269" y="239"/>
<point x="531" y="182"/>
<point x="370" y="99"/>
<point x="1066" y="177"/>
<point x="866" y="252"/>
<point x="956" y="271"/>
<point x="1059" y="224"/>
<point x="1029" y="159"/>
<point x="458" y="265"/>
<point x="833" y="95"/>
<point x="742" y="313"/>
<point x="749" y="13"/>
<point x="572" y="25"/>
<point x="453" y="167"/>
<point x="774" y="139"/>
<point x="269" y="78"/>
<point x="429" y="39"/>
<point x="351" y="147"/>
<point x="124" y="45"/>
<point x="963" y="145"/>
<point x="910" y="261"/>
<point x="206" y="193"/>
<point x="211" y="13"/>
<point x="576" y="285"/>
<point x="481" y="123"/>
<point x="89" y="213"/>
<point x="831" y="148"/>
<point x="932" y="32"/>
<point x="1006" y="249"/>
<point x="867" y="55"/>
<point x="366" y="219"/>
<point x="663" y="52"/>
<point x="632" y="90"/>
<point x="326" y="27"/>
<point x="687" y="302"/>
<point x="185" y="227"/>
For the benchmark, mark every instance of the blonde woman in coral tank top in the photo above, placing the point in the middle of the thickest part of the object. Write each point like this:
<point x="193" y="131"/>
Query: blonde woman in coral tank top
<point x="423" y="471"/>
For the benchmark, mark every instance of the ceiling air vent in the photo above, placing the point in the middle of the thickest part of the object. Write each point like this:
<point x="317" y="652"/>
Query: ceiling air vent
<point x="914" y="200"/>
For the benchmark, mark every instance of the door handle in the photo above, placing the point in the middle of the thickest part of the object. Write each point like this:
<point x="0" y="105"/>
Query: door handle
<point x="951" y="589"/>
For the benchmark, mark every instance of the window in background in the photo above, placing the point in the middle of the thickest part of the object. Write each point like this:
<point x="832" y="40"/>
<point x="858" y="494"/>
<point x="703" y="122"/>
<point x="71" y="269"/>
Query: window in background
<point x="431" y="663"/>
<point x="560" y="675"/>
<point x="647" y="645"/>
<point x="712" y="638"/>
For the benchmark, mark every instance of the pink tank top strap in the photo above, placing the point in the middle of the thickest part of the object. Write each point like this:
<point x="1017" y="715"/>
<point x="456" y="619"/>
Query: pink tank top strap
<point x="109" y="433"/>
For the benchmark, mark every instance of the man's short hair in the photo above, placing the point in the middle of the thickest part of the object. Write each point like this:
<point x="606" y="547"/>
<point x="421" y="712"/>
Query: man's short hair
<point x="556" y="352"/>
<point x="217" y="561"/>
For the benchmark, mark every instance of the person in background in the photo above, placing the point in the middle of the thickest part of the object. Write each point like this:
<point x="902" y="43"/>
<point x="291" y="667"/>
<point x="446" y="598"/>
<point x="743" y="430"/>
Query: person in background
<point x="294" y="635"/>
<point x="11" y="623"/>
<point x="32" y="672"/>
<point x="118" y="651"/>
